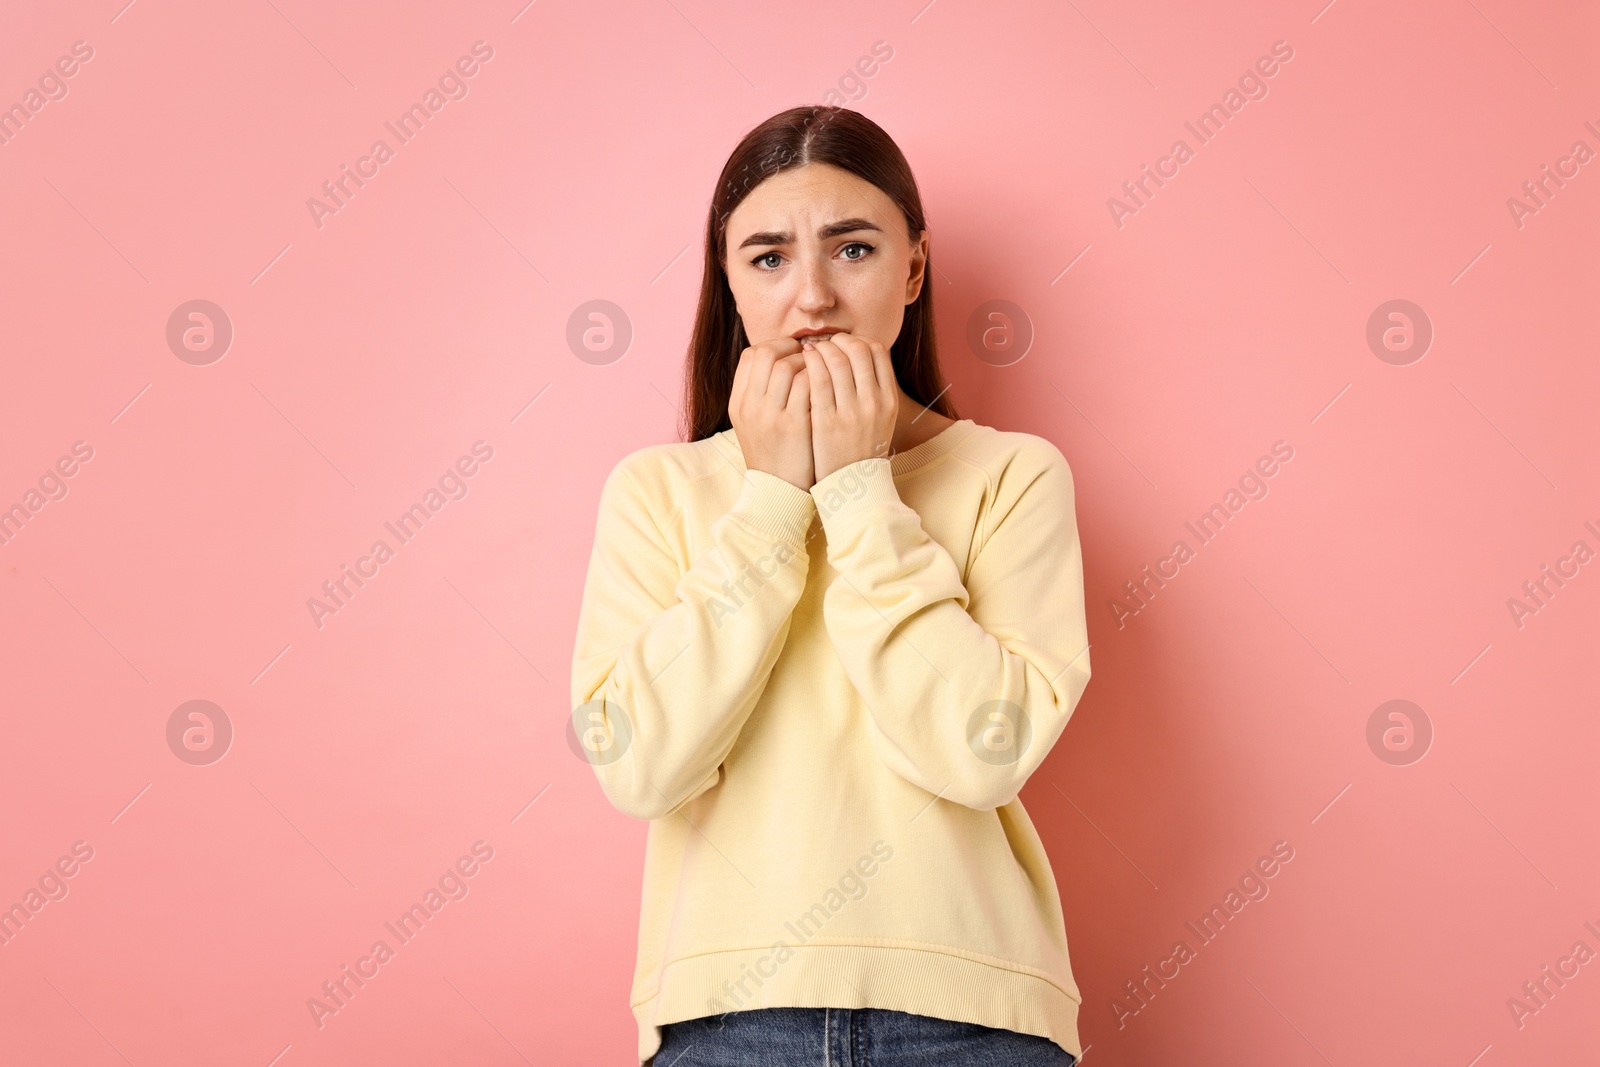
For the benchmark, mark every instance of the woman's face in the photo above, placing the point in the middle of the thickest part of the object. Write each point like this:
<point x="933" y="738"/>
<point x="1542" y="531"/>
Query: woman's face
<point x="818" y="248"/>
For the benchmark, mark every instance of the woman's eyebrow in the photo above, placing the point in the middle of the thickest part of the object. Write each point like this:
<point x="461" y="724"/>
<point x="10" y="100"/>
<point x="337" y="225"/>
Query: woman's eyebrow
<point x="833" y="229"/>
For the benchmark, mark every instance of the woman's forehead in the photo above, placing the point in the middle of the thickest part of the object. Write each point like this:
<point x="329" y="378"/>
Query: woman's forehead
<point x="816" y="193"/>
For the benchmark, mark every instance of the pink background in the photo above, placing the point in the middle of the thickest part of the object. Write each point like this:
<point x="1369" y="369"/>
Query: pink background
<point x="1230" y="312"/>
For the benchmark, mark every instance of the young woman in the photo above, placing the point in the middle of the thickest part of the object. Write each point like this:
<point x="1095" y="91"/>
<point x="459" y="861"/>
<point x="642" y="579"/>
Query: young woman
<point x="823" y="644"/>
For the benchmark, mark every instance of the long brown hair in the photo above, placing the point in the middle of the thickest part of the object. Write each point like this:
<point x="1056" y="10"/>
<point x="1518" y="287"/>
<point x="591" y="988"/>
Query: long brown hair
<point x="812" y="134"/>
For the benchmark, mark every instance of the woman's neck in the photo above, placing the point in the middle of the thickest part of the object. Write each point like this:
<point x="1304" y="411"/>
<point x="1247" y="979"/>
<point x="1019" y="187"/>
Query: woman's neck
<point x="908" y="434"/>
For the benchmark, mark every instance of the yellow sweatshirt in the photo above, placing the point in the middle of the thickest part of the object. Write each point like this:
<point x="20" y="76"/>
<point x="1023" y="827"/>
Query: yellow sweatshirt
<point x="826" y="703"/>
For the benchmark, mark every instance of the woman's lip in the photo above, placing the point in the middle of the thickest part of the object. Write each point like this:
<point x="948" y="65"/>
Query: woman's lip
<point x="803" y="334"/>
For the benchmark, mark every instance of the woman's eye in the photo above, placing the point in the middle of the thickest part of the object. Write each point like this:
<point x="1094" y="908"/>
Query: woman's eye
<point x="761" y="261"/>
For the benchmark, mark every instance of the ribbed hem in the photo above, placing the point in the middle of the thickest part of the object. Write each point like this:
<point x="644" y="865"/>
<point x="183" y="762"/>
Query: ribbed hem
<point x="922" y="981"/>
<point x="774" y="506"/>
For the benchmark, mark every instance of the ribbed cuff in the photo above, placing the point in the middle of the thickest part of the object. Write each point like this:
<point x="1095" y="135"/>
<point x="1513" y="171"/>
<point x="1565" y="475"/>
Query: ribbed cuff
<point x="853" y="490"/>
<point x="774" y="506"/>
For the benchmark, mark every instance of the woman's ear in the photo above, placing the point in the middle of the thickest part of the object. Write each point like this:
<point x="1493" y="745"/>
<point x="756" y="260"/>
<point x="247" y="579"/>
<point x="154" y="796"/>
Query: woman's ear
<point x="919" y="267"/>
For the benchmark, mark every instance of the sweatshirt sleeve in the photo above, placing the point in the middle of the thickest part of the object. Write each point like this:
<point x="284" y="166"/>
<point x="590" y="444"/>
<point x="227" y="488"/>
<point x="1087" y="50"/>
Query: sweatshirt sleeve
<point x="968" y="685"/>
<point x="667" y="662"/>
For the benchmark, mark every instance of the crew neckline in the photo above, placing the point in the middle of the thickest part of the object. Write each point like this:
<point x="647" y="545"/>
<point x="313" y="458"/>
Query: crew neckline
<point x="900" y="463"/>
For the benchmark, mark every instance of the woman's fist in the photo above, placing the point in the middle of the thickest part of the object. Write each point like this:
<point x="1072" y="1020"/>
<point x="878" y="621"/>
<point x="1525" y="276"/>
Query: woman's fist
<point x="855" y="400"/>
<point x="770" y="408"/>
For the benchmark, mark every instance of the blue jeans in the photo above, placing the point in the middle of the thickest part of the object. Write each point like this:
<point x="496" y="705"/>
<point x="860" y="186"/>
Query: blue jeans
<point x="848" y="1037"/>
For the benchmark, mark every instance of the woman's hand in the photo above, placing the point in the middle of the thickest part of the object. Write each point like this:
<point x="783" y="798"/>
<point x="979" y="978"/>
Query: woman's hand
<point x="855" y="400"/>
<point x="770" y="408"/>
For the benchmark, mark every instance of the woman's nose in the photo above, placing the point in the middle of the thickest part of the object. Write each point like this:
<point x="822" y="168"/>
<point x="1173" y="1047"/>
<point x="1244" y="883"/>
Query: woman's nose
<point x="816" y="285"/>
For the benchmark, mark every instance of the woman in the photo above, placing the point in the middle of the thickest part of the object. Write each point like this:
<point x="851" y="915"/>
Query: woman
<point x="824" y="642"/>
